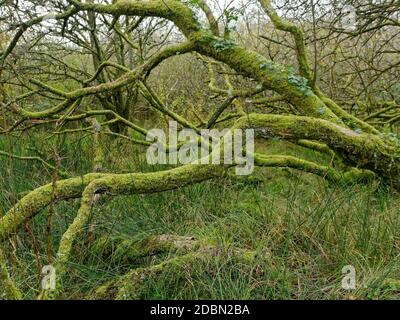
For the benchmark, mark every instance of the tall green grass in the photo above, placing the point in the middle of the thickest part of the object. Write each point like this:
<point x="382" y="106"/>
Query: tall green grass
<point x="303" y="229"/>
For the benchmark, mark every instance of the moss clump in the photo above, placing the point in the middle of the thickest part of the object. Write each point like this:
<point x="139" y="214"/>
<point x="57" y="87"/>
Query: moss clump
<point x="128" y="250"/>
<point x="132" y="286"/>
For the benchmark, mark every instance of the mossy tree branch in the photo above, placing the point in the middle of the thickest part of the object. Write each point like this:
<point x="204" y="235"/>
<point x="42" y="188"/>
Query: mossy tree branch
<point x="376" y="155"/>
<point x="132" y="285"/>
<point x="298" y="36"/>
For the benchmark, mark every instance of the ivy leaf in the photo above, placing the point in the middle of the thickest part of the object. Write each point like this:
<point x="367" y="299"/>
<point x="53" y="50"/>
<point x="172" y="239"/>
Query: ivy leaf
<point x="224" y="44"/>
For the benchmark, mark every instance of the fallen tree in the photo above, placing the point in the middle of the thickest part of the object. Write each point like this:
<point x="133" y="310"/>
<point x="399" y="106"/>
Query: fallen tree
<point x="317" y="122"/>
<point x="188" y="250"/>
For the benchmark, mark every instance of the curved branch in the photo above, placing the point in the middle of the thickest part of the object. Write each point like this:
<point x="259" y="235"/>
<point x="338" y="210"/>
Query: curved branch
<point x="377" y="155"/>
<point x="135" y="183"/>
<point x="131" y="285"/>
<point x="38" y="159"/>
<point x="210" y="17"/>
<point x="329" y="173"/>
<point x="298" y="37"/>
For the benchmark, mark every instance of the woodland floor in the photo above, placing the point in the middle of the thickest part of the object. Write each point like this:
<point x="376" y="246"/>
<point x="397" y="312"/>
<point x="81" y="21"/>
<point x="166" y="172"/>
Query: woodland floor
<point x="304" y="229"/>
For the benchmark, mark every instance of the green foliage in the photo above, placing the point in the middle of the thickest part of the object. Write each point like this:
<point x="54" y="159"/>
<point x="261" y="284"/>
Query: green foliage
<point x="393" y="139"/>
<point x="265" y="64"/>
<point x="222" y="44"/>
<point x="300" y="83"/>
<point x="232" y="15"/>
<point x="193" y="2"/>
